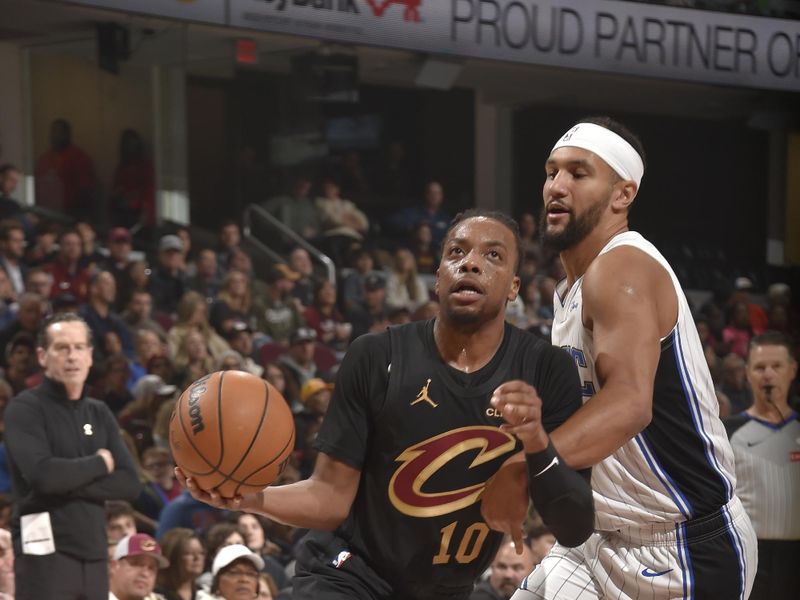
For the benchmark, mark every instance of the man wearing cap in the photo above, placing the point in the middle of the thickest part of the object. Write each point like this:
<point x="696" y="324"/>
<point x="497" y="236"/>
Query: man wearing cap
<point x="240" y="339"/>
<point x="132" y="573"/>
<point x="743" y="287"/>
<point x="371" y="314"/>
<point x="277" y="313"/>
<point x="168" y="282"/>
<point x="299" y="360"/>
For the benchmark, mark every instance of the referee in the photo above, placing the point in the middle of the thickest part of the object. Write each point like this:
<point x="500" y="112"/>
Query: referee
<point x="766" y="444"/>
<point x="66" y="458"/>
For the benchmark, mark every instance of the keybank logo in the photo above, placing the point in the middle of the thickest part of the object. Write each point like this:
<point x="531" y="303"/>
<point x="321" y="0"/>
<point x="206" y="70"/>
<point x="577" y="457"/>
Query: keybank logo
<point x="409" y="8"/>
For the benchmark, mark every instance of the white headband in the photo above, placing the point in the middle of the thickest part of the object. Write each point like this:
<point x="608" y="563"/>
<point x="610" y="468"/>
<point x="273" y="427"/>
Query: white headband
<point x="609" y="146"/>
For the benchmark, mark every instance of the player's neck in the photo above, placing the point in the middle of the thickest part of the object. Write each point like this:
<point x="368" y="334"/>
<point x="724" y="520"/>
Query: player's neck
<point x="776" y="412"/>
<point x="578" y="258"/>
<point x="468" y="349"/>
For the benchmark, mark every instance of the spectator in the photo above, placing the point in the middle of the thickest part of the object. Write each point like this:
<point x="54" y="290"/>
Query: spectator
<point x="8" y="303"/>
<point x="65" y="179"/>
<point x="431" y="212"/>
<point x="186" y="555"/>
<point x="167" y="283"/>
<point x="193" y="359"/>
<point x="296" y="210"/>
<point x="120" y="246"/>
<point x="300" y="263"/>
<point x="267" y="588"/>
<point x="404" y="288"/>
<point x="43" y="250"/>
<point x="91" y="251"/>
<point x="743" y="286"/>
<point x="138" y="315"/>
<point x="148" y="345"/>
<point x="541" y="540"/>
<point x="240" y="339"/>
<point x="6" y="393"/>
<point x="230" y="241"/>
<point x="736" y="336"/>
<point x="324" y="318"/>
<point x="21" y="357"/>
<point x="275" y="374"/>
<point x="230" y="360"/>
<point x="234" y="303"/>
<point x="372" y="314"/>
<point x="255" y="535"/>
<point x="277" y="314"/>
<point x="299" y="360"/>
<point x="161" y="365"/>
<point x="101" y="318"/>
<point x="508" y="569"/>
<point x="315" y="396"/>
<point x="9" y="180"/>
<point x="187" y="257"/>
<point x="29" y="318"/>
<point x="425" y="254"/>
<point x="120" y="520"/>
<point x="342" y="222"/>
<point x="12" y="253"/>
<point x="529" y="235"/>
<point x="133" y="191"/>
<point x="116" y="372"/>
<point x="139" y="416"/>
<point x="69" y="277"/>
<point x="49" y="463"/>
<point x="193" y="316"/>
<point x="240" y="261"/>
<point x="160" y="486"/>
<point x="353" y="283"/>
<point x="206" y="279"/>
<point x="235" y="572"/>
<point x="733" y="383"/>
<point x="132" y="572"/>
<point x="40" y="282"/>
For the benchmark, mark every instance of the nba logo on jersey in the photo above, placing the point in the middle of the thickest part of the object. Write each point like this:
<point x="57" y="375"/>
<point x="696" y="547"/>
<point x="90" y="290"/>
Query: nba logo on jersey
<point x="341" y="558"/>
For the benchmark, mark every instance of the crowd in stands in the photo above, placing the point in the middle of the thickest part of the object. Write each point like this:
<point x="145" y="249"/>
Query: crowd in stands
<point x="160" y="322"/>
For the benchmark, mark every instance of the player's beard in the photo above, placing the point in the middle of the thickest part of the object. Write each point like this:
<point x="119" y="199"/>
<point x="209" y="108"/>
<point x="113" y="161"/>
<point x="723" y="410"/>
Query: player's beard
<point x="576" y="229"/>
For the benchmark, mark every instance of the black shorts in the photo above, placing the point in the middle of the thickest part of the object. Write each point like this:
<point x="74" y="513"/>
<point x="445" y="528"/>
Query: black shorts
<point x="60" y="577"/>
<point x="327" y="570"/>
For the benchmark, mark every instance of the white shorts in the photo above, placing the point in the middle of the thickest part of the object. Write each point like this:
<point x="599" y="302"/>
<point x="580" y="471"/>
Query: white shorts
<point x="710" y="558"/>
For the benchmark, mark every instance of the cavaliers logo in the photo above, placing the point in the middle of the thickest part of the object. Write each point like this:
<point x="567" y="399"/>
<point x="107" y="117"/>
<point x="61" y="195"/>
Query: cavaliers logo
<point x="422" y="461"/>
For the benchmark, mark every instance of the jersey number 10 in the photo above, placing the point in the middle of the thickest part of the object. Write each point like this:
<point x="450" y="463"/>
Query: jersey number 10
<point x="470" y="547"/>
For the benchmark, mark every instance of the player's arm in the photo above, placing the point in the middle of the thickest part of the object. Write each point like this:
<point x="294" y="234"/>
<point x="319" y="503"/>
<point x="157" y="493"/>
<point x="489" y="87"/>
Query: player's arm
<point x="322" y="501"/>
<point x="562" y="496"/>
<point x="624" y="294"/>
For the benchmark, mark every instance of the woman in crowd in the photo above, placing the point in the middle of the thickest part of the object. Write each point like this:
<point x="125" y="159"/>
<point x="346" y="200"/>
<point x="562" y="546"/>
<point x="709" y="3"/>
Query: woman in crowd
<point x="234" y="303"/>
<point x="186" y="554"/>
<point x="236" y="573"/>
<point x="193" y="359"/>
<point x="324" y="317"/>
<point x="256" y="539"/>
<point x="193" y="316"/>
<point x="404" y="288"/>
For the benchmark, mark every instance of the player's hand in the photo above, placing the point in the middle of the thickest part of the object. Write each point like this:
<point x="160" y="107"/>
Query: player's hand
<point x="210" y="497"/>
<point x="108" y="458"/>
<point x="504" y="503"/>
<point x="521" y="407"/>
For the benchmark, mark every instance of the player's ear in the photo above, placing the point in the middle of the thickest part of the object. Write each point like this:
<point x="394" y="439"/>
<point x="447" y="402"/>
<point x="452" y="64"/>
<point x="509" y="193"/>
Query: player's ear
<point x="513" y="291"/>
<point x="41" y="353"/>
<point x="436" y="282"/>
<point x="623" y="195"/>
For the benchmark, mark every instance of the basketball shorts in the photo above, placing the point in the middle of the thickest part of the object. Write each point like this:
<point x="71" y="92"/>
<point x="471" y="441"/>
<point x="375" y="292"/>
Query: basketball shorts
<point x="709" y="558"/>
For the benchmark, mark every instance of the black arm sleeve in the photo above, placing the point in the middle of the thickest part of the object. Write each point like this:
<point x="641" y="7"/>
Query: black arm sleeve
<point x="562" y="497"/>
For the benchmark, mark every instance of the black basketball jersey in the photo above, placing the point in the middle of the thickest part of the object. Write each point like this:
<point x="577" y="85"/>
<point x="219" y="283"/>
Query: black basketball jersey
<point x="426" y="440"/>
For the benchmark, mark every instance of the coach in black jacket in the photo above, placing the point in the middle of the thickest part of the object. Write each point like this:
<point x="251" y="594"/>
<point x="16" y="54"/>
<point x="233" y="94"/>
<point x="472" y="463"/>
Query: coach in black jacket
<point x="66" y="458"/>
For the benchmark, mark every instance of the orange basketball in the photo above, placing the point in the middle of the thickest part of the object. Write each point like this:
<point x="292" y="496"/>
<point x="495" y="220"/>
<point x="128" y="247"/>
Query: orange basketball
<point x="231" y="431"/>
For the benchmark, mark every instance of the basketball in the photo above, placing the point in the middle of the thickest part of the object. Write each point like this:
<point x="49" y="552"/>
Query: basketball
<point x="231" y="431"/>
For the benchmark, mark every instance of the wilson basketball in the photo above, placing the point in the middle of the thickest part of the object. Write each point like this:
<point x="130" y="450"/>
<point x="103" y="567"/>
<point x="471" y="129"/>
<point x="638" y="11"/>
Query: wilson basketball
<point x="231" y="431"/>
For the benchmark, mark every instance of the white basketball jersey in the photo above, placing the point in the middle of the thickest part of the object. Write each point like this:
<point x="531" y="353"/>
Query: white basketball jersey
<point x="680" y="466"/>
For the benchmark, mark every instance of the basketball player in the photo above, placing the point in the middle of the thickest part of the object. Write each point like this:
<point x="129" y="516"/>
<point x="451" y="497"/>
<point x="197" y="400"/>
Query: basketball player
<point x="668" y="523"/>
<point x="410" y="439"/>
